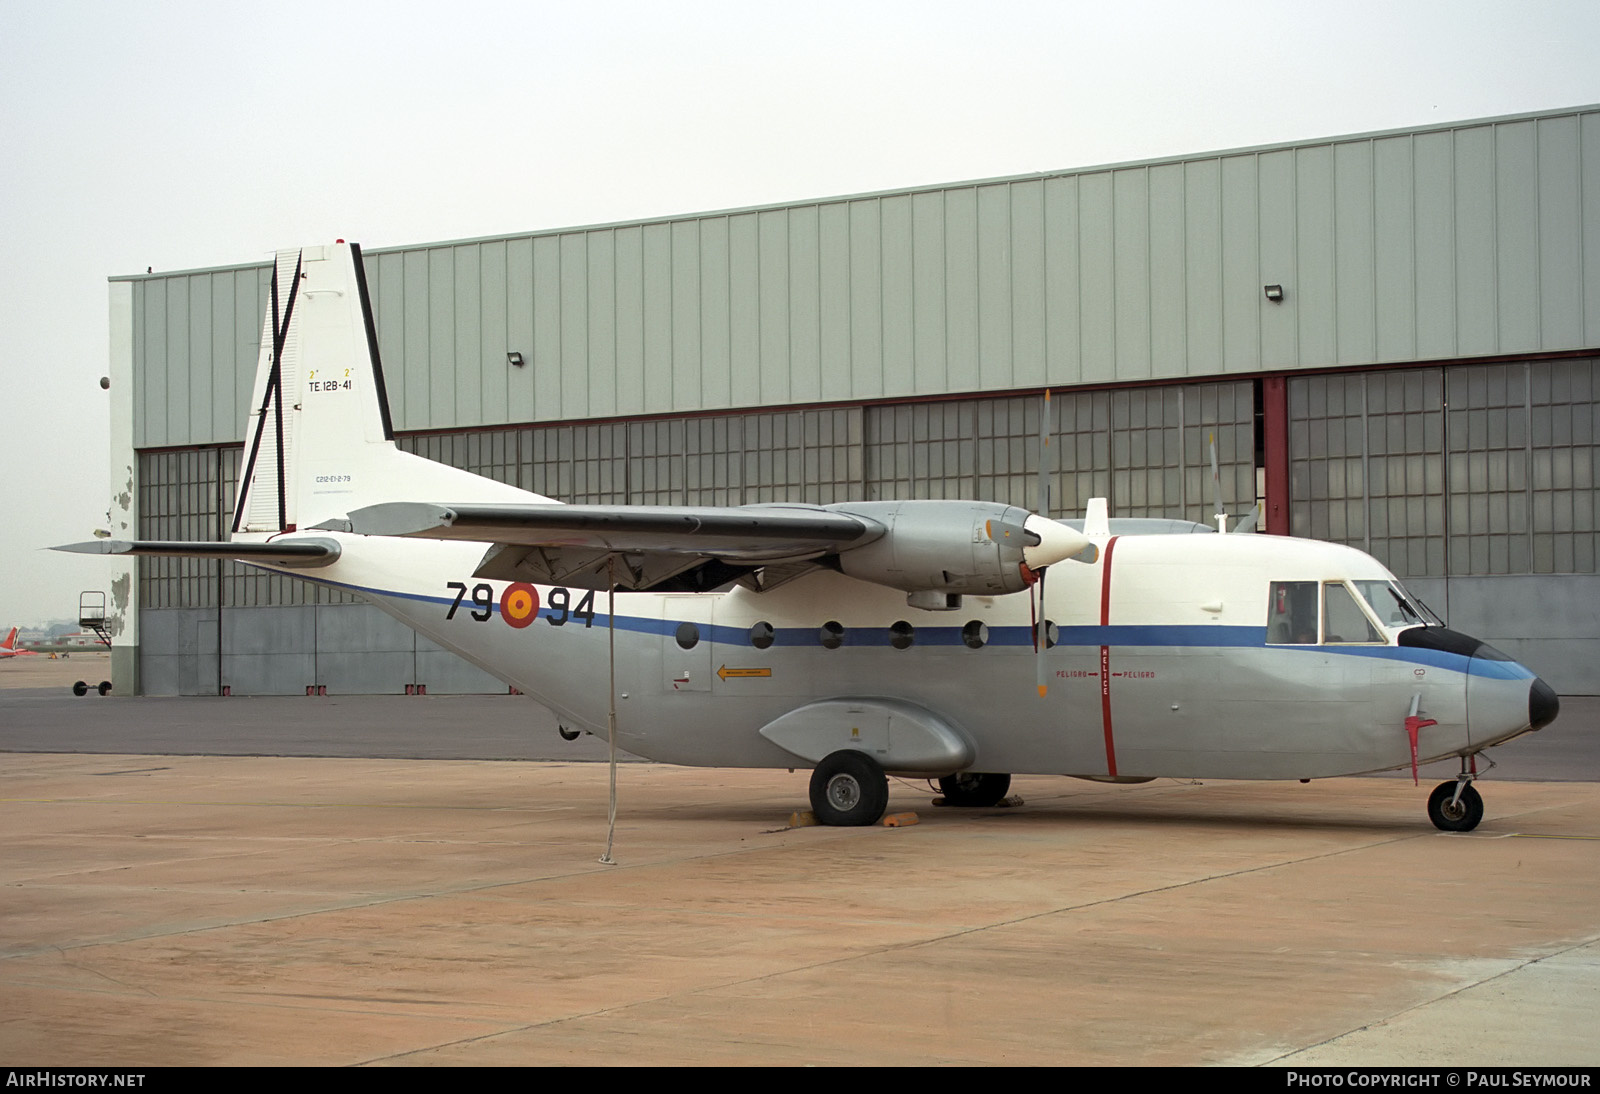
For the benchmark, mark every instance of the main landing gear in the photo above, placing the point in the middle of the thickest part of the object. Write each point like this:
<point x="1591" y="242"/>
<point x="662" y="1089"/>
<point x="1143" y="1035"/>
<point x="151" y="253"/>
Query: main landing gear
<point x="974" y="788"/>
<point x="1455" y="806"/>
<point x="849" y="789"/>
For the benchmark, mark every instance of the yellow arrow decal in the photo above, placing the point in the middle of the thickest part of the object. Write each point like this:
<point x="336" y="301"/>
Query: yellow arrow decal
<point x="725" y="672"/>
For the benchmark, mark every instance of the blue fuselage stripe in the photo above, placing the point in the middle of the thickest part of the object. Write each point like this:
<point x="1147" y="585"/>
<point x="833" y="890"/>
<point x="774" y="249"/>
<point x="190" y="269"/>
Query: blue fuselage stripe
<point x="1122" y="635"/>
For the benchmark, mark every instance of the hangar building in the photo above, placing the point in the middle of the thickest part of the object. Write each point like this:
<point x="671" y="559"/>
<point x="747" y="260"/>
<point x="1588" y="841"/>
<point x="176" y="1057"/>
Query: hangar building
<point x="1393" y="336"/>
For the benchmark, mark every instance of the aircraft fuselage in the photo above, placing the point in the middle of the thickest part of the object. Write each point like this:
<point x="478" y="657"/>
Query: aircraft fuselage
<point x="1170" y="658"/>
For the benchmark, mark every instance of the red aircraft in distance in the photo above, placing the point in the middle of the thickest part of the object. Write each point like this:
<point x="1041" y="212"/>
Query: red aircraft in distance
<point x="8" y="648"/>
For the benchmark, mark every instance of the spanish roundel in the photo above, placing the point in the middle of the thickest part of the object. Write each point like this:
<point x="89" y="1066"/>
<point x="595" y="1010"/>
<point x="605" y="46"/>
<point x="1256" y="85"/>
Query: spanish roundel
<point x="519" y="604"/>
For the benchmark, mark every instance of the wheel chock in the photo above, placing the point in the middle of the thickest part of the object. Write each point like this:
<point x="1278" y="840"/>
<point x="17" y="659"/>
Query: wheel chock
<point x="808" y="819"/>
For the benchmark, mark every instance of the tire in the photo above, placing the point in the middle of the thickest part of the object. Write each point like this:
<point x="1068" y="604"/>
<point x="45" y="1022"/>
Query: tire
<point x="569" y="734"/>
<point x="974" y="789"/>
<point x="1463" y="816"/>
<point x="80" y="688"/>
<point x="849" y="790"/>
<point x="104" y="688"/>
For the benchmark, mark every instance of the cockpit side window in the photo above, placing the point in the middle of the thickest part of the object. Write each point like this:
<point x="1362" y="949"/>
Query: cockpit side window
<point x="1342" y="618"/>
<point x="1393" y="606"/>
<point x="1292" y="613"/>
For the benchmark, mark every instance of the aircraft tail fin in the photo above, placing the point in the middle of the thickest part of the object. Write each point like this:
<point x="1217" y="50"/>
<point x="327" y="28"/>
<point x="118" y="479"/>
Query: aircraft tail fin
<point x="319" y="440"/>
<point x="11" y="640"/>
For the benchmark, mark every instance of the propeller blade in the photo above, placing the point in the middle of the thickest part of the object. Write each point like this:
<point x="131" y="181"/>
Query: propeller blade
<point x="1056" y="542"/>
<point x="1216" y="485"/>
<point x="1042" y="495"/>
<point x="1040" y="637"/>
<point x="1011" y="534"/>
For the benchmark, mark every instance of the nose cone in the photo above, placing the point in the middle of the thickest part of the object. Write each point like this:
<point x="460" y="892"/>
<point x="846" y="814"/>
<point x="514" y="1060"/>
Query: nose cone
<point x="1543" y="705"/>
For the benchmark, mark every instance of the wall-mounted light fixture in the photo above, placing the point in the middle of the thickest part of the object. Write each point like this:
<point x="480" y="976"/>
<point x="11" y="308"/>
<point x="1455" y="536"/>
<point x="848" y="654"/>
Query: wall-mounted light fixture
<point x="515" y="358"/>
<point x="1274" y="293"/>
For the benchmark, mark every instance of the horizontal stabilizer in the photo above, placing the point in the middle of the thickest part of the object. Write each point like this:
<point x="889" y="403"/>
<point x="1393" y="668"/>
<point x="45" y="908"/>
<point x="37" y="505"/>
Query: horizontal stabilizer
<point x="299" y="553"/>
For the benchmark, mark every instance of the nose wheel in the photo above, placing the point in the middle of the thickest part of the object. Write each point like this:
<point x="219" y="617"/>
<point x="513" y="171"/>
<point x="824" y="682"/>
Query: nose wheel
<point x="1455" y="806"/>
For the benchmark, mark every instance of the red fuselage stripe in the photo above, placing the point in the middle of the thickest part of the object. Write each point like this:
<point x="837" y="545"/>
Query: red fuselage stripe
<point x="1105" y="659"/>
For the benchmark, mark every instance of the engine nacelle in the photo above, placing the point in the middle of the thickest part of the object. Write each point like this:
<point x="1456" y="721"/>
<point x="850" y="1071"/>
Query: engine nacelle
<point x="972" y="547"/>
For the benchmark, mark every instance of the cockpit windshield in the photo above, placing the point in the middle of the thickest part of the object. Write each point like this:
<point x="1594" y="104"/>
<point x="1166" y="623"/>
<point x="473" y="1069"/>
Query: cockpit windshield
<point x="1394" y="606"/>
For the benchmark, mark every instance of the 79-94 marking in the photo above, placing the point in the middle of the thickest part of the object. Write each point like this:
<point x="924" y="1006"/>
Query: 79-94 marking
<point x="558" y="613"/>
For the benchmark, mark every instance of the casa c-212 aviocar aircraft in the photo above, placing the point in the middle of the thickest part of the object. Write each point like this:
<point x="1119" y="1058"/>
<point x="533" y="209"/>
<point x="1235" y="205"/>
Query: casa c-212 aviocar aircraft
<point x="864" y="639"/>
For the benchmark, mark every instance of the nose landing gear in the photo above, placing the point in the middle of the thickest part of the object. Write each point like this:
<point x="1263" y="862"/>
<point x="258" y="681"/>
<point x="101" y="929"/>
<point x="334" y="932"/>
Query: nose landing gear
<point x="1456" y="806"/>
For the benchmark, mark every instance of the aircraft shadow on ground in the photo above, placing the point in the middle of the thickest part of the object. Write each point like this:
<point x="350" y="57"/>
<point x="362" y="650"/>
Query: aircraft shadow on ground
<point x="1052" y="815"/>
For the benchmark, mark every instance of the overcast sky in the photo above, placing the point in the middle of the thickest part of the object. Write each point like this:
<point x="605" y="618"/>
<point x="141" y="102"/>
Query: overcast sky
<point x="175" y="135"/>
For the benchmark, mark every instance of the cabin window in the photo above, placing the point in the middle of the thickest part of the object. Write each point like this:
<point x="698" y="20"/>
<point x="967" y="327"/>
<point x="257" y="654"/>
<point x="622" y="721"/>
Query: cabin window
<point x="761" y="635"/>
<point x="901" y="635"/>
<point x="688" y="635"/>
<point x="1342" y="618"/>
<point x="1292" y="613"/>
<point x="975" y="634"/>
<point x="831" y="635"/>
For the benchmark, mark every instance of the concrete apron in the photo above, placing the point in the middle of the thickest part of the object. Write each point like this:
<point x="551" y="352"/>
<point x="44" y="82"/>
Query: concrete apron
<point x="209" y="910"/>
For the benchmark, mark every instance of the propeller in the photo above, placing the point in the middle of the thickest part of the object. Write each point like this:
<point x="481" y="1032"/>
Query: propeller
<point x="1216" y="485"/>
<point x="1043" y="510"/>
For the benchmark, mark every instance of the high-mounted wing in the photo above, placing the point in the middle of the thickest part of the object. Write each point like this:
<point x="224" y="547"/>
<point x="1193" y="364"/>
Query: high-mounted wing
<point x="936" y="547"/>
<point x="670" y="548"/>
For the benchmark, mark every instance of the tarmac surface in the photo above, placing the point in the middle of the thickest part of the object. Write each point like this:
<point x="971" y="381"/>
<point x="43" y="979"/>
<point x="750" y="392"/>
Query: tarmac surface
<point x="168" y="909"/>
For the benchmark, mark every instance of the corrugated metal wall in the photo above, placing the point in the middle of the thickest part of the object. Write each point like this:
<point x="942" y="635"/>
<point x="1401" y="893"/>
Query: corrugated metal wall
<point x="1470" y="240"/>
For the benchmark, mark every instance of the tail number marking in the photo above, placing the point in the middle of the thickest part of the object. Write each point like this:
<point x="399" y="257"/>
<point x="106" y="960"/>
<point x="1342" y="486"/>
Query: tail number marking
<point x="482" y="596"/>
<point x="519" y="604"/>
<point x="326" y="384"/>
<point x="560" y="601"/>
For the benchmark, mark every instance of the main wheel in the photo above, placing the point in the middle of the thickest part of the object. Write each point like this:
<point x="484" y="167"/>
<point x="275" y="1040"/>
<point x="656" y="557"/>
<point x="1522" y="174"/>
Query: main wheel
<point x="80" y="688"/>
<point x="1462" y="815"/>
<point x="569" y="734"/>
<point x="104" y="688"/>
<point x="974" y="788"/>
<point x="849" y="789"/>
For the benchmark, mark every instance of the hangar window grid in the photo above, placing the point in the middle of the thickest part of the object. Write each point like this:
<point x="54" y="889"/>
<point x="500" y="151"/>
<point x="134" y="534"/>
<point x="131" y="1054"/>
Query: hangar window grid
<point x="1405" y="470"/>
<point x="1475" y="469"/>
<point x="731" y="459"/>
<point x="1143" y="449"/>
<point x="1489" y="453"/>
<point x="932" y="450"/>
<point x="1471" y="469"/>
<point x="179" y="498"/>
<point x="188" y="494"/>
<point x="1564" y="425"/>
